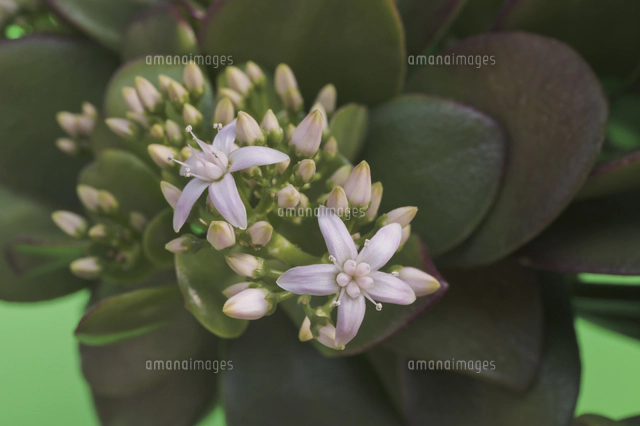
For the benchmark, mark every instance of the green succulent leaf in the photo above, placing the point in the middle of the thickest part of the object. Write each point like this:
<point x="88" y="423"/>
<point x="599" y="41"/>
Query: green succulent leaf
<point x="597" y="420"/>
<point x="103" y="20"/>
<point x="597" y="236"/>
<point x="613" y="177"/>
<point x="380" y="326"/>
<point x="40" y="76"/>
<point x="356" y="45"/>
<point x="451" y="159"/>
<point x="160" y="30"/>
<point x="574" y="23"/>
<point x="36" y="253"/>
<point x="477" y="16"/>
<point x="349" y="127"/>
<point x="156" y="235"/>
<point x="425" y="22"/>
<point x="498" y="309"/>
<point x="202" y="278"/>
<point x="132" y="182"/>
<point x="623" y="133"/>
<point x="554" y="110"/>
<point x="447" y="398"/>
<point x="129" y="314"/>
<point x="270" y="353"/>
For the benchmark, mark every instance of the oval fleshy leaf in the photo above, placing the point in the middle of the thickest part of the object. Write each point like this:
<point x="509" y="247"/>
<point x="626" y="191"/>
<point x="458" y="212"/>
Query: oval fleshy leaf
<point x="103" y="20"/>
<point x="498" y="309"/>
<point x="156" y="235"/>
<point x="426" y="21"/>
<point x="597" y="420"/>
<point x="129" y="314"/>
<point x="270" y="353"/>
<point x="451" y="157"/>
<point x="160" y="30"/>
<point x="598" y="236"/>
<point x="349" y="127"/>
<point x="445" y="398"/>
<point x="36" y="253"/>
<point x="356" y="45"/>
<point x="132" y="182"/>
<point x="573" y="23"/>
<point x="613" y="177"/>
<point x="40" y="76"/>
<point x="554" y="111"/>
<point x="380" y="326"/>
<point x="477" y="16"/>
<point x="202" y="277"/>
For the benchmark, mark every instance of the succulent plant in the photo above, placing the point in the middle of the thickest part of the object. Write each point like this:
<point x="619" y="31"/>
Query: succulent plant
<point x="197" y="165"/>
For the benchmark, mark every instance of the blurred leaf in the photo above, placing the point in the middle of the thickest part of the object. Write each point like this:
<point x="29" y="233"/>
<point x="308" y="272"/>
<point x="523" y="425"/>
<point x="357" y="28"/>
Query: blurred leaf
<point x="156" y="235"/>
<point x="349" y="127"/>
<point x="129" y="314"/>
<point x="574" y="22"/>
<point x="126" y="368"/>
<point x="158" y="30"/>
<point x="278" y="380"/>
<point x="613" y="177"/>
<point x="40" y="76"/>
<point x="426" y="21"/>
<point x="356" y="45"/>
<point x="445" y="398"/>
<point x="103" y="20"/>
<point x="202" y="278"/>
<point x="132" y="182"/>
<point x="477" y="16"/>
<point x="498" y="310"/>
<point x="380" y="326"/>
<point x="597" y="420"/>
<point x="451" y="159"/>
<point x="623" y="133"/>
<point x="554" y="112"/>
<point x="598" y="236"/>
<point x="36" y="253"/>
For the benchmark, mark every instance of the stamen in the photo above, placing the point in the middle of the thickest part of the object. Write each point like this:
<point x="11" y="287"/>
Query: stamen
<point x="331" y="258"/>
<point x="378" y="305"/>
<point x="172" y="158"/>
<point x="202" y="144"/>
<point x="188" y="173"/>
<point x="366" y="242"/>
<point x="202" y="221"/>
<point x="395" y="273"/>
<point x="337" y="302"/>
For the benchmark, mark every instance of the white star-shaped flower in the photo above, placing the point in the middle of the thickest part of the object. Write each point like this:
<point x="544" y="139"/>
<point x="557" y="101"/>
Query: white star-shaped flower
<point x="353" y="276"/>
<point x="212" y="168"/>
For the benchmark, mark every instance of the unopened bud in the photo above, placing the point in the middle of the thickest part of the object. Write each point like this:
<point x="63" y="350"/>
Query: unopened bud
<point x="284" y="79"/>
<point x="187" y="243"/>
<point x="86" y="125"/>
<point x="234" y="289"/>
<point x="221" y="235"/>
<point x="247" y="130"/>
<point x="308" y="135"/>
<point x="358" y="186"/>
<point x="87" y="268"/>
<point x="272" y="128"/>
<point x="304" y="201"/>
<point x="164" y="81"/>
<point x="255" y="73"/>
<point x="260" y="233"/>
<point x="330" y="149"/>
<point x="149" y="96"/>
<point x="338" y="200"/>
<point x="122" y="127"/>
<point x="236" y="98"/>
<point x="376" y="198"/>
<point x="191" y="115"/>
<point x="193" y="80"/>
<point x="406" y="233"/>
<point x="174" y="132"/>
<point x="98" y="232"/>
<point x="157" y="132"/>
<point x="281" y="167"/>
<point x="288" y="197"/>
<point x="306" y="169"/>
<point x="305" y="330"/>
<point x="138" y="221"/>
<point x="70" y="223"/>
<point x="421" y="282"/>
<point x="89" y="111"/>
<point x="292" y="100"/>
<point x="224" y="112"/>
<point x="67" y="145"/>
<point x="250" y="304"/>
<point x="171" y="193"/>
<point x="138" y="117"/>
<point x="88" y="196"/>
<point x="325" y="121"/>
<point x="160" y="155"/>
<point x="178" y="95"/>
<point x="107" y="203"/>
<point x="238" y="80"/>
<point x="327" y="97"/>
<point x="340" y="176"/>
<point x="402" y="216"/>
<point x="68" y="122"/>
<point x="246" y="265"/>
<point x="327" y="336"/>
<point x="132" y="100"/>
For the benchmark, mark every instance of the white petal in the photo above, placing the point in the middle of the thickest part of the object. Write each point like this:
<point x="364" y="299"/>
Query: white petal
<point x="249" y="156"/>
<point x="226" y="199"/>
<point x="389" y="289"/>
<point x="336" y="236"/>
<point x="381" y="247"/>
<point x="189" y="196"/>
<point x="350" y="315"/>
<point x="316" y="280"/>
<point x="225" y="137"/>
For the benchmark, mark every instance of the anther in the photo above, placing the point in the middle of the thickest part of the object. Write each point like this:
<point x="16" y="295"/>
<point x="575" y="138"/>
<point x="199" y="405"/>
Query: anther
<point x="378" y="306"/>
<point x="395" y="273"/>
<point x="366" y="242"/>
<point x="332" y="258"/>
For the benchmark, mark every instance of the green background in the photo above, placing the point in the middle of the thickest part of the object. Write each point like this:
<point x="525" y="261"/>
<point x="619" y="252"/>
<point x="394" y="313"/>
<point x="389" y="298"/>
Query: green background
<point x="41" y="381"/>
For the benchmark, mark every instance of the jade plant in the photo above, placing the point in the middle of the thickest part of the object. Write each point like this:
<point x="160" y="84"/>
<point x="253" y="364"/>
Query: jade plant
<point x="364" y="212"/>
